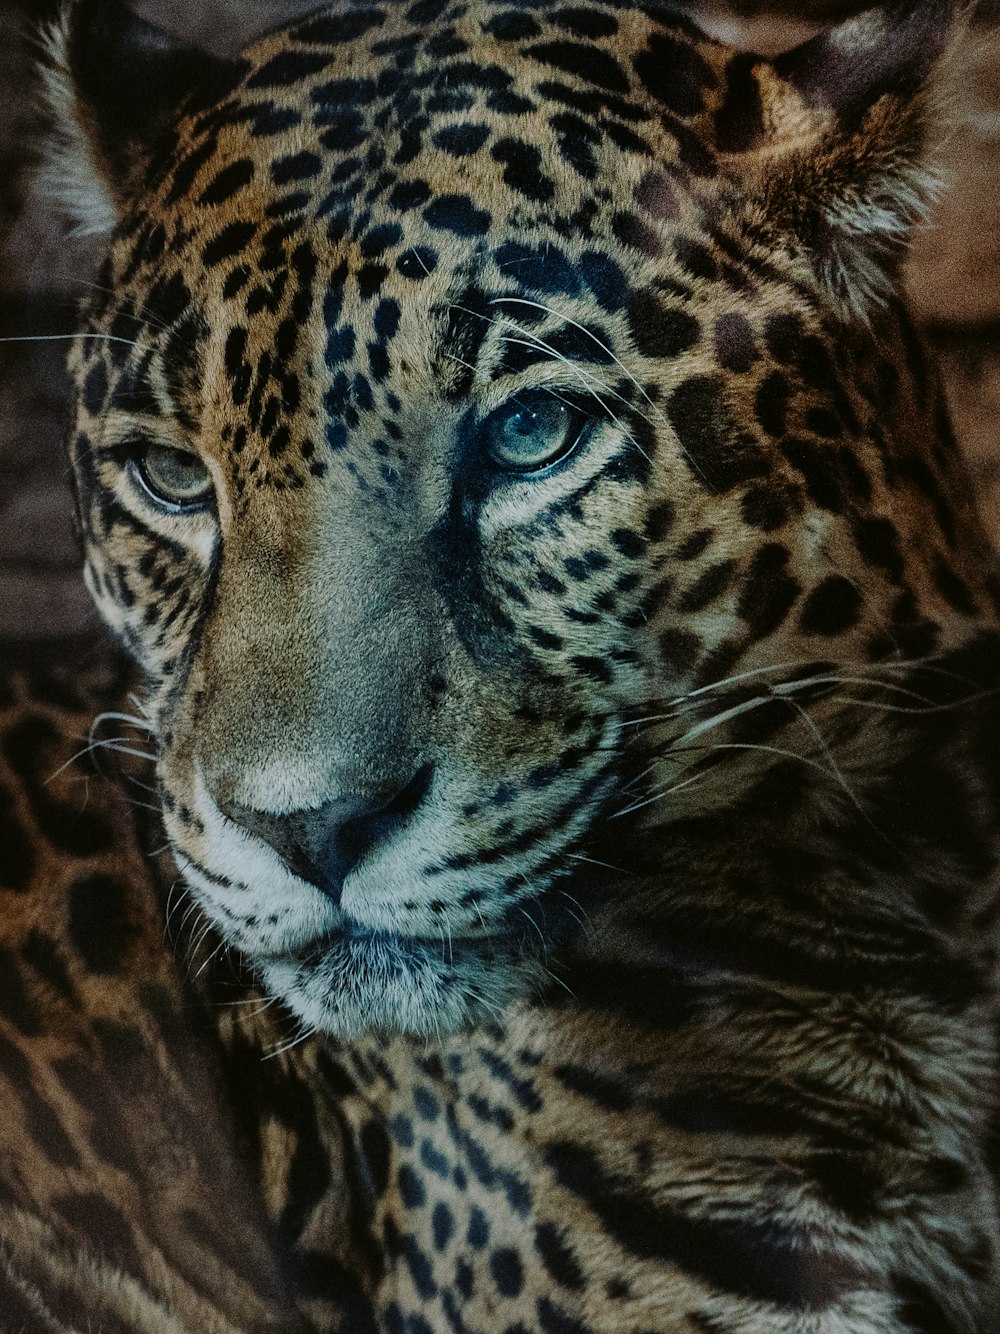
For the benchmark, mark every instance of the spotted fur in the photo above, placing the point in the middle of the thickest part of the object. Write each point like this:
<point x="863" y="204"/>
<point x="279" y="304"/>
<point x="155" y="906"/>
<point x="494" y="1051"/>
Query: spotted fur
<point x="124" y="1207"/>
<point x="620" y="830"/>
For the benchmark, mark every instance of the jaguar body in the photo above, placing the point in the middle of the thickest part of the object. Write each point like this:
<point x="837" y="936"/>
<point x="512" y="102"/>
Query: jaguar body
<point x="570" y="648"/>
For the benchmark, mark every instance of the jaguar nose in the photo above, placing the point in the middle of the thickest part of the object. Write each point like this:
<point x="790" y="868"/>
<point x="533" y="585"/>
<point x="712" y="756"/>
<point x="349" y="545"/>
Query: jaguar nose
<point x="325" y="843"/>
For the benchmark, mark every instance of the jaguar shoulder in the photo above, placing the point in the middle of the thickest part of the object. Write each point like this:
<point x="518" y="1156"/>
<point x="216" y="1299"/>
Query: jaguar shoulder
<point x="570" y="647"/>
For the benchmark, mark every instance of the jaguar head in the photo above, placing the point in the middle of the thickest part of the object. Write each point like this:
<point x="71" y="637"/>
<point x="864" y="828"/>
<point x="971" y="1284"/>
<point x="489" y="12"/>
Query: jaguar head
<point x="483" y="416"/>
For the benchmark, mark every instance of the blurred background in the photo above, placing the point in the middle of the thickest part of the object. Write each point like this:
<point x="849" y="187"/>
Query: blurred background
<point x="953" y="286"/>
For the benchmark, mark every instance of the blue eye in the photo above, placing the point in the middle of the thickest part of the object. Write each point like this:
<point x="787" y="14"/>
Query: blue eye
<point x="532" y="432"/>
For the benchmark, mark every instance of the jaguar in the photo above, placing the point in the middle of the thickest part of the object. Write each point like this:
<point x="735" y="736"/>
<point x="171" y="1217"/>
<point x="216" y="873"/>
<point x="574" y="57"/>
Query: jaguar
<point x="569" y="648"/>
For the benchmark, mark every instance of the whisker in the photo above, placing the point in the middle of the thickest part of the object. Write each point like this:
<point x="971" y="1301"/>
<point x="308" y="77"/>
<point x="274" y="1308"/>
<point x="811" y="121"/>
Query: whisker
<point x="213" y="955"/>
<point x="171" y="908"/>
<point x="524" y="913"/>
<point x="142" y="723"/>
<point x="559" y="358"/>
<point x="139" y="313"/>
<point x="662" y="792"/>
<point x="294" y="1042"/>
<point x="593" y="861"/>
<point x="580" y="915"/>
<point x="64" y="338"/>
<point x="262" y="1003"/>
<point x="825" y="749"/>
<point x="717" y="720"/>
<point x="111" y="743"/>
<point x="928" y="708"/>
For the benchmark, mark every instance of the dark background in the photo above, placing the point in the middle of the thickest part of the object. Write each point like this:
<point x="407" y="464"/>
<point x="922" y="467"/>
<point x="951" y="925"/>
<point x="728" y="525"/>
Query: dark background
<point x="954" y="287"/>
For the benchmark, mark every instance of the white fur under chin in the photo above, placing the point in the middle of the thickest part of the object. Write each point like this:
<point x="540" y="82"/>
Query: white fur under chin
<point x="404" y="986"/>
<point x="69" y="174"/>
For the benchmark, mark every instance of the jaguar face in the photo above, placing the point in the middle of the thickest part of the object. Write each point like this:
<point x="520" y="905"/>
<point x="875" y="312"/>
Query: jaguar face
<point x="451" y="423"/>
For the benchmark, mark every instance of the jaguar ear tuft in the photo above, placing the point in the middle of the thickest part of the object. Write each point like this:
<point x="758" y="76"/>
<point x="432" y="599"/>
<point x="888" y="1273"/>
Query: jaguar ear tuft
<point x="113" y="84"/>
<point x="852" y="120"/>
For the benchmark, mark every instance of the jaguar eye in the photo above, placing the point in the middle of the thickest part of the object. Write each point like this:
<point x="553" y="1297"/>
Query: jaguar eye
<point x="174" y="477"/>
<point x="532" y="432"/>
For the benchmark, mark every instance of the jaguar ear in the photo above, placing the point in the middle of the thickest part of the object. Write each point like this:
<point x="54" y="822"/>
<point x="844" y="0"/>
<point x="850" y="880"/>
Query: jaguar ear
<point x="847" y="129"/>
<point x="113" y="84"/>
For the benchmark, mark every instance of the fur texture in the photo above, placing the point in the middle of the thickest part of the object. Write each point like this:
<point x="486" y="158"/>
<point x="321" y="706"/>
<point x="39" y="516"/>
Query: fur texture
<point x="571" y="654"/>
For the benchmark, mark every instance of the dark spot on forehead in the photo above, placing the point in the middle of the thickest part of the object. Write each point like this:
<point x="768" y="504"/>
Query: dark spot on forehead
<point x="605" y="279"/>
<point x="784" y="336"/>
<point x="542" y="268"/>
<point x="460" y="140"/>
<point x="346" y="27"/>
<point x="660" y="520"/>
<point x="634" y="233"/>
<point x="187" y="169"/>
<point x="340" y="344"/>
<point x="695" y="257"/>
<point x="679" y="651"/>
<point x="231" y="241"/>
<point x="469" y="319"/>
<point x="656" y="196"/>
<point x="658" y="330"/>
<point x="300" y="166"/>
<point x="168" y="300"/>
<point x="522" y="169"/>
<point x="418" y="263"/>
<point x="580" y="342"/>
<point x="817" y="464"/>
<point x="386" y="319"/>
<point x="408" y="195"/>
<point x="380" y="238"/>
<point x="878" y="542"/>
<point x="336" y="94"/>
<point x="766" y="507"/>
<point x="589" y="63"/>
<point x="771" y="407"/>
<point x="457" y="213"/>
<point x="708" y="586"/>
<point x="271" y="120"/>
<point x="95" y="388"/>
<point x="953" y="588"/>
<point x="99" y="921"/>
<point x="512" y="26"/>
<point x="769" y="591"/>
<point x="585" y="22"/>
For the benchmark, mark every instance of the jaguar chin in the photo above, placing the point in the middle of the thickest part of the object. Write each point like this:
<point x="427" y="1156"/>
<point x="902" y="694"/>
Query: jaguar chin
<point x="355" y="980"/>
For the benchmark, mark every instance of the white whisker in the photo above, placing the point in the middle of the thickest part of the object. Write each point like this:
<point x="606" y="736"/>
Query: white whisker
<point x="111" y="743"/>
<point x="286" y="1047"/>
<point x="660" y="793"/>
<point x="64" y="338"/>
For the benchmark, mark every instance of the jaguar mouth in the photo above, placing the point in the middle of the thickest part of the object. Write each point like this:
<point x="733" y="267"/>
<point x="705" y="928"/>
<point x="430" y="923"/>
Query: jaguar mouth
<point x="357" y="939"/>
